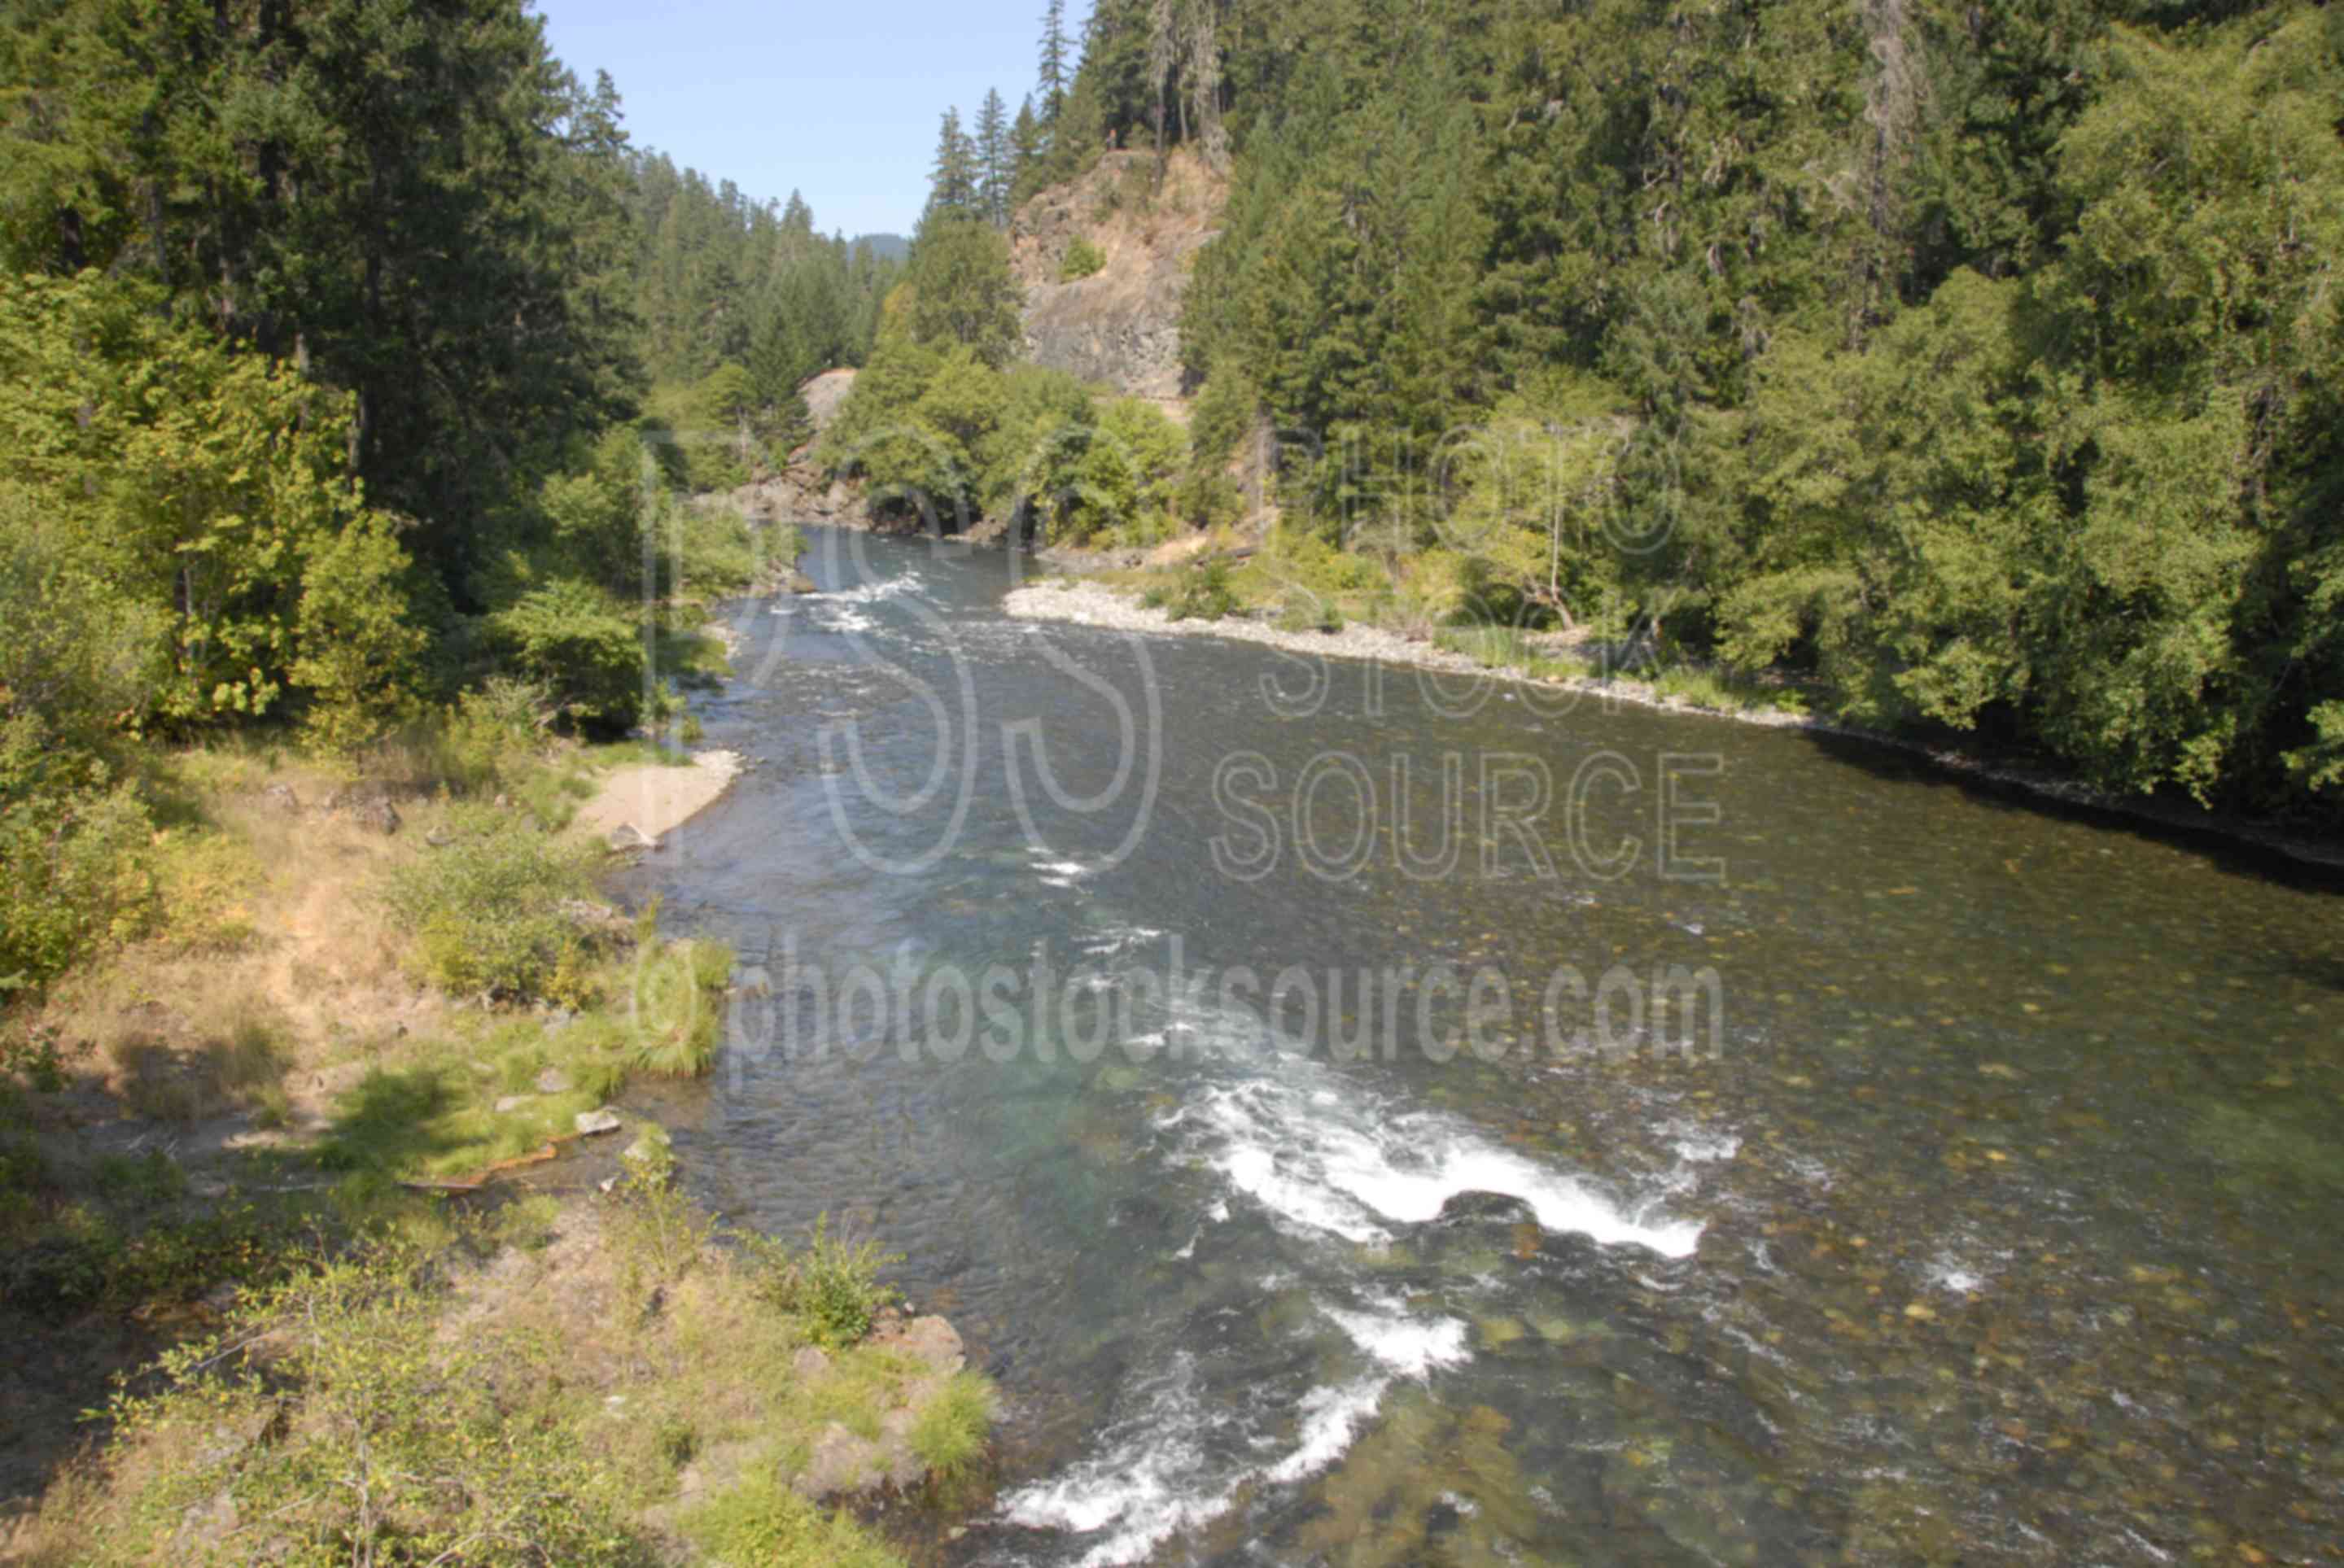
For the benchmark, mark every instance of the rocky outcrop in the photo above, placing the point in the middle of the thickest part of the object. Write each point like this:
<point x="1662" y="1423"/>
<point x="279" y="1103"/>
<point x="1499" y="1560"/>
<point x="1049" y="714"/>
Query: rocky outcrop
<point x="842" y="1463"/>
<point x="800" y="494"/>
<point x="823" y="396"/>
<point x="1120" y="325"/>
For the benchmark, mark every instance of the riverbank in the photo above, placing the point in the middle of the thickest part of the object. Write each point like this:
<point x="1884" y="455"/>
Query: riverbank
<point x="390" y="1062"/>
<point x="651" y="800"/>
<point x="1090" y="603"/>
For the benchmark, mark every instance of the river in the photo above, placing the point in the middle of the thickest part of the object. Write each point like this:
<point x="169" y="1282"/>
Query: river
<point x="1748" y="1147"/>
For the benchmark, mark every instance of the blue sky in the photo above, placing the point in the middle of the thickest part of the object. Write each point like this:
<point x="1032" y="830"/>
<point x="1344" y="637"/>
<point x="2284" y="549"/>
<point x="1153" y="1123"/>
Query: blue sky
<point x="839" y="101"/>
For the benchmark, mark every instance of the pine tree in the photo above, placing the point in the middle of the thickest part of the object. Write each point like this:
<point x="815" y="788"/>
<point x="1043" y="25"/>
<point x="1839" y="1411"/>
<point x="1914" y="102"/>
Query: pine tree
<point x="1024" y="150"/>
<point x="953" y="183"/>
<point x="1053" y="84"/>
<point x="993" y="166"/>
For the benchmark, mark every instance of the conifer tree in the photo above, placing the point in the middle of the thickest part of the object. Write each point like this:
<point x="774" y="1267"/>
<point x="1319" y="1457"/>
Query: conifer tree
<point x="993" y="171"/>
<point x="1024" y="151"/>
<point x="953" y="181"/>
<point x="1051" y="86"/>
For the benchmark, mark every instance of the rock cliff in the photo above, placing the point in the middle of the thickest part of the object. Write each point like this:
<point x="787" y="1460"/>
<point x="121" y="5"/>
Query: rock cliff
<point x="1120" y="325"/>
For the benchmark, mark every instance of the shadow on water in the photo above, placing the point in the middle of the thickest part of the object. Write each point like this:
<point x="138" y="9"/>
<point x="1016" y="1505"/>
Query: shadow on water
<point x="2155" y="820"/>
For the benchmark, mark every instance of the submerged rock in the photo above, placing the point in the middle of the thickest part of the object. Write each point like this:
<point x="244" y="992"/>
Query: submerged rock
<point x="1474" y="1207"/>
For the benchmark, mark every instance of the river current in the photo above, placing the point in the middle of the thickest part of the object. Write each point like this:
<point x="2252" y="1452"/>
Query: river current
<point x="1363" y="1118"/>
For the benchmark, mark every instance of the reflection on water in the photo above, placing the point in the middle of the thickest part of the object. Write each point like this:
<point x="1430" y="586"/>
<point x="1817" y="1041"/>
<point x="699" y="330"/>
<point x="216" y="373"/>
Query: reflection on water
<point x="1996" y="1220"/>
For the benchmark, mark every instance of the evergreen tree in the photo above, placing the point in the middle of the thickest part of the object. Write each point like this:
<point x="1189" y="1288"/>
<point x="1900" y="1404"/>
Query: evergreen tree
<point x="1024" y="153"/>
<point x="962" y="292"/>
<point x="994" y="164"/>
<point x="1050" y="86"/>
<point x="953" y="183"/>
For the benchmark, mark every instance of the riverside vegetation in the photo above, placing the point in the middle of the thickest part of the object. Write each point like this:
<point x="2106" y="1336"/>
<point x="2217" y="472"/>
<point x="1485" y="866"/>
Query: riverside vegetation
<point x="1966" y="371"/>
<point x="337" y="555"/>
<point x="311" y="1015"/>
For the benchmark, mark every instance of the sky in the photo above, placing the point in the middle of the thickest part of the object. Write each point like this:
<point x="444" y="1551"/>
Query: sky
<point x="840" y="101"/>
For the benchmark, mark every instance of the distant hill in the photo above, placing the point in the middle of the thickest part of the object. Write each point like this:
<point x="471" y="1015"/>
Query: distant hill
<point x="893" y="247"/>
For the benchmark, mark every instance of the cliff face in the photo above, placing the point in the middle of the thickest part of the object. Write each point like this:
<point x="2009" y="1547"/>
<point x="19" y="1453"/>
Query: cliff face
<point x="1120" y="325"/>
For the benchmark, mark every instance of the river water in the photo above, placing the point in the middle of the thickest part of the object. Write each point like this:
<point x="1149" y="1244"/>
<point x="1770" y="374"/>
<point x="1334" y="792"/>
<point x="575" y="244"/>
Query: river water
<point x="1832" y="1161"/>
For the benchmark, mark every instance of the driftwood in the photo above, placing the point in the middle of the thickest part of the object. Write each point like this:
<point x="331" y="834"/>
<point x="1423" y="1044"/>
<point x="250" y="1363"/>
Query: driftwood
<point x="551" y="1149"/>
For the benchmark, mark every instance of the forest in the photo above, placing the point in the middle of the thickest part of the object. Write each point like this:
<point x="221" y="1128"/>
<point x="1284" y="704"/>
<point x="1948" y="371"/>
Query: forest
<point x="352" y="355"/>
<point x="1976" y="367"/>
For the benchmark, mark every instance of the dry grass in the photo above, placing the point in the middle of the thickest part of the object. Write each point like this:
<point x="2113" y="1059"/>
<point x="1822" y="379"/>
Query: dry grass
<point x="271" y="966"/>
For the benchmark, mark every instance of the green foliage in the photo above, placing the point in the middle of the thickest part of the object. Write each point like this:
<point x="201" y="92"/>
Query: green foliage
<point x="74" y="867"/>
<point x="573" y="640"/>
<point x="832" y="1282"/>
<point x="718" y="277"/>
<point x="1227" y="407"/>
<point x="486" y="912"/>
<point x="950" y="1433"/>
<point x="200" y="495"/>
<point x="1980" y="363"/>
<point x="402" y="1444"/>
<point x="1082" y="260"/>
<point x="492" y="737"/>
<point x="424" y="216"/>
<point x="1205" y="594"/>
<point x="959" y="289"/>
<point x="359" y="653"/>
<point x="673" y="1005"/>
<point x="762" y="1523"/>
<point x="1124" y="482"/>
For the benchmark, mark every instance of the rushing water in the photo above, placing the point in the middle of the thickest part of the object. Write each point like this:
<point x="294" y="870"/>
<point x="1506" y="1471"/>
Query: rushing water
<point x="1992" y="1215"/>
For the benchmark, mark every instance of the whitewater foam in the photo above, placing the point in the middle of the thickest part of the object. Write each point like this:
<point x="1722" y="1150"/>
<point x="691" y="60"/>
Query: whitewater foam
<point x="1409" y="1346"/>
<point x="1342" y="1171"/>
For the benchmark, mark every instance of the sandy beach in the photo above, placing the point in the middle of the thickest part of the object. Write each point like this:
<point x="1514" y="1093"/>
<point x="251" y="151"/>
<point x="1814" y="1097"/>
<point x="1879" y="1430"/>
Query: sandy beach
<point x="653" y="799"/>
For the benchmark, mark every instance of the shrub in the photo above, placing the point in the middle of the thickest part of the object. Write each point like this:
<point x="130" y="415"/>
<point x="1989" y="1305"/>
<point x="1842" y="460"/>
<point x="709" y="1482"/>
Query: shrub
<point x="1126" y="474"/>
<point x="358" y="656"/>
<point x="494" y="735"/>
<point x="1226" y="408"/>
<point x="486" y="912"/>
<point x="950" y="1432"/>
<point x="370" y="1437"/>
<point x="834" y="1283"/>
<point x="1205" y="595"/>
<point x="1082" y="260"/>
<point x="572" y="638"/>
<point x="673" y="1006"/>
<point x="763" y="1522"/>
<point x="74" y="868"/>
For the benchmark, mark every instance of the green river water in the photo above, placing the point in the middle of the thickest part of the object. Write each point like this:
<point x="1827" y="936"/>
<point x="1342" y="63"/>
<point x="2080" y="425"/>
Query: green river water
<point x="1992" y="1215"/>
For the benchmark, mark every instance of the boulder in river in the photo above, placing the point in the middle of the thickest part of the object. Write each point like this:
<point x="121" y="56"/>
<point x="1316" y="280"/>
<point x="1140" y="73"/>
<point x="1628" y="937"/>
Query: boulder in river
<point x="1475" y="1207"/>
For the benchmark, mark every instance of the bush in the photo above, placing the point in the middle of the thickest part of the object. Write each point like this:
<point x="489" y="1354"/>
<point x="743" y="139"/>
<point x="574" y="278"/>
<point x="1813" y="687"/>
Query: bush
<point x="359" y="655"/>
<point x="493" y="736"/>
<point x="764" y="1524"/>
<point x="485" y="911"/>
<point x="572" y="639"/>
<point x="74" y="868"/>
<point x="1206" y="595"/>
<point x="369" y="1437"/>
<point x="1082" y="260"/>
<point x="950" y="1433"/>
<point x="675" y="1006"/>
<point x="834" y="1284"/>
